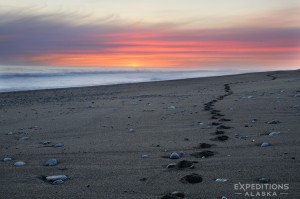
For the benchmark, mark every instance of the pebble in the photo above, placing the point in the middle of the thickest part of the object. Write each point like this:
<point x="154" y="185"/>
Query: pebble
<point x="264" y="180"/>
<point x="254" y="120"/>
<point x="173" y="195"/>
<point x="131" y="130"/>
<point x="223" y="197"/>
<point x="19" y="164"/>
<point x="145" y="156"/>
<point x="174" y="155"/>
<point x="274" y="133"/>
<point x="9" y="133"/>
<point x="57" y="182"/>
<point x="7" y="159"/>
<point x="58" y="145"/>
<point x="273" y="122"/>
<point x="171" y="107"/>
<point x="51" y="162"/>
<point x="178" y="194"/>
<point x="57" y="177"/>
<point x="24" y="138"/>
<point x="46" y="142"/>
<point x="191" y="178"/>
<point x="297" y="95"/>
<point x="265" y="144"/>
<point x="221" y="180"/>
<point x="172" y="165"/>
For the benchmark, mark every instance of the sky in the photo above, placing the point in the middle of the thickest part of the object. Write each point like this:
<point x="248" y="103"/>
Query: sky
<point x="188" y="34"/>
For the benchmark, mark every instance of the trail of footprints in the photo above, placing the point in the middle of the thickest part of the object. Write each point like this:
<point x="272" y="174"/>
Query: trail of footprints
<point x="217" y="115"/>
<point x="219" y="135"/>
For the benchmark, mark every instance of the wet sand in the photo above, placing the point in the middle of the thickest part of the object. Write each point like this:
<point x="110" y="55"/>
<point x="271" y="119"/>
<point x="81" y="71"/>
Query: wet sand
<point x="117" y="139"/>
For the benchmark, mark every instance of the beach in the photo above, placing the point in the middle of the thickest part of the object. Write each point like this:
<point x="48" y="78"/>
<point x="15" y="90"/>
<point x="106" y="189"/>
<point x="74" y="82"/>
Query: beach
<point x="116" y="140"/>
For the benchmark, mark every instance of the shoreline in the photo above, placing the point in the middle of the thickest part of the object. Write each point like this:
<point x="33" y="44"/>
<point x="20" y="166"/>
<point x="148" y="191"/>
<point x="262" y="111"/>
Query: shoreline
<point x="118" y="84"/>
<point x="117" y="139"/>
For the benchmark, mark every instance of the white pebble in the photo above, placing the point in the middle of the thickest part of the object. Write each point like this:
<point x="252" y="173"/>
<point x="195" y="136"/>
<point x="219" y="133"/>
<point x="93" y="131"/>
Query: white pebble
<point x="19" y="164"/>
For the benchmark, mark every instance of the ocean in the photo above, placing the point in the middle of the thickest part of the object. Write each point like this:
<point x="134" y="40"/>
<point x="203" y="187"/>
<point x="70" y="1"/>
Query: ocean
<point x="24" y="78"/>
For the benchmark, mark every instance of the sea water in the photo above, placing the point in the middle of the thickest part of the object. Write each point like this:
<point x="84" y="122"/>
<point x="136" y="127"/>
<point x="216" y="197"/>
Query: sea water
<point x="23" y="78"/>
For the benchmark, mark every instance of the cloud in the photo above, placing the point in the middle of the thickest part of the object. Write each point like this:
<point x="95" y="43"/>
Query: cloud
<point x="57" y="40"/>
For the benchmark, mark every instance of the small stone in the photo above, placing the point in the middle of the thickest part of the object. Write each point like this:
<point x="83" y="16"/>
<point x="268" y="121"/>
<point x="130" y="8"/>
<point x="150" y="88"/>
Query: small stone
<point x="264" y="180"/>
<point x="58" y="182"/>
<point x="172" y="165"/>
<point x="6" y="159"/>
<point x="254" y="120"/>
<point x="9" y="133"/>
<point x="221" y="180"/>
<point x="273" y="122"/>
<point x="174" y="155"/>
<point x="178" y="194"/>
<point x="170" y="196"/>
<point x="51" y="162"/>
<point x="145" y="156"/>
<point x="56" y="177"/>
<point x="274" y="133"/>
<point x="223" y="197"/>
<point x="171" y="107"/>
<point x="19" y="164"/>
<point x="46" y="142"/>
<point x="191" y="178"/>
<point x="24" y="138"/>
<point x="297" y="95"/>
<point x="131" y="130"/>
<point x="58" y="145"/>
<point x="265" y="144"/>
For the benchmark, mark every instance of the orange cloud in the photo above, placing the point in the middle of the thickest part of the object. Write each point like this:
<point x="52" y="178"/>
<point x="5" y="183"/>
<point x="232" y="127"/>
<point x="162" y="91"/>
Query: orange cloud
<point x="38" y="43"/>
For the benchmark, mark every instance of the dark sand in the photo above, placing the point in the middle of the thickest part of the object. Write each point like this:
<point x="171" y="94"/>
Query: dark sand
<point x="104" y="160"/>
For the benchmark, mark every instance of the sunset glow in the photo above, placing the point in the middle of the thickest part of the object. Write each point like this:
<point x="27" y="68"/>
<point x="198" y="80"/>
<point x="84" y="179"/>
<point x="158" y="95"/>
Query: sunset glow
<point x="266" y="36"/>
